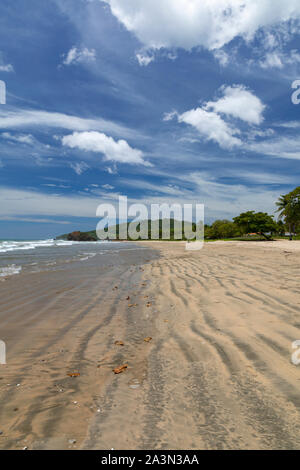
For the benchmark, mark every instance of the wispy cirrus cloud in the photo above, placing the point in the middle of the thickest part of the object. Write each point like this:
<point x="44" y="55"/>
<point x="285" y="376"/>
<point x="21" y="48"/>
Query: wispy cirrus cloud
<point x="19" y="138"/>
<point x="25" y="118"/>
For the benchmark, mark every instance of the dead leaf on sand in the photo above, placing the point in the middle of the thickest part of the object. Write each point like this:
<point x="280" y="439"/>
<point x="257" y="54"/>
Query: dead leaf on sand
<point x="149" y="304"/>
<point x="148" y="339"/>
<point x="144" y="284"/>
<point x="128" y="298"/>
<point x="119" y="343"/>
<point x="132" y="305"/>
<point x="120" y="369"/>
<point x="73" y="374"/>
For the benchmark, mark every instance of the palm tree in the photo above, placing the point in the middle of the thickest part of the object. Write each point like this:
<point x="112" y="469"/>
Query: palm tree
<point x="288" y="208"/>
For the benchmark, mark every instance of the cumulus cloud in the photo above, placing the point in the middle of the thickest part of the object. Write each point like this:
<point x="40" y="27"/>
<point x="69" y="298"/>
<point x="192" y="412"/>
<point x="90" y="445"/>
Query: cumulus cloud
<point x="208" y="23"/>
<point x="77" y="56"/>
<point x="117" y="151"/>
<point x="240" y="103"/>
<point x="210" y="120"/>
<point x="211" y="126"/>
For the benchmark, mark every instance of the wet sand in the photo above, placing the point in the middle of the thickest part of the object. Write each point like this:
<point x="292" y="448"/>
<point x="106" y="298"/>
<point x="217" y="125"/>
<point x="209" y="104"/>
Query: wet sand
<point x="217" y="373"/>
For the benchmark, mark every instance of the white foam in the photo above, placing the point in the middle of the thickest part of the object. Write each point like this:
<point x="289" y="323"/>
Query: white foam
<point x="8" y="246"/>
<point x="87" y="256"/>
<point x="10" y="270"/>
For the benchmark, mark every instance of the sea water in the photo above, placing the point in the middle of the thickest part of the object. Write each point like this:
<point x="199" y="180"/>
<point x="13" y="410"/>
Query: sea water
<point x="18" y="256"/>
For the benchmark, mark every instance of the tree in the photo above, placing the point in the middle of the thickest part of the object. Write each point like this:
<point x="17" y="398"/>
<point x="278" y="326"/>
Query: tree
<point x="222" y="229"/>
<point x="258" y="222"/>
<point x="289" y="209"/>
<point x="280" y="228"/>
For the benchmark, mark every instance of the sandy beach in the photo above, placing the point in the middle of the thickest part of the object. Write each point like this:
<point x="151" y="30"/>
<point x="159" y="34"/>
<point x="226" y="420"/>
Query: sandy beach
<point x="214" y="373"/>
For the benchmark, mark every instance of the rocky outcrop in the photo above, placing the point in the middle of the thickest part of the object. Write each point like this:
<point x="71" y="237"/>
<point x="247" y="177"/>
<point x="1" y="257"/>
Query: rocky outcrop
<point x="81" y="237"/>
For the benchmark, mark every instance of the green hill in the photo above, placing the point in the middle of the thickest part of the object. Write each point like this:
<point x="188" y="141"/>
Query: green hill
<point x="123" y="228"/>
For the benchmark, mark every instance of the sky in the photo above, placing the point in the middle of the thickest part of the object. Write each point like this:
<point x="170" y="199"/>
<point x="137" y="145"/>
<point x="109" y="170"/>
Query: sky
<point x="163" y="101"/>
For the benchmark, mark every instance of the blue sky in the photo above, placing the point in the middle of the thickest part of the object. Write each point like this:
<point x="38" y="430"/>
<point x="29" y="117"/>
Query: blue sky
<point x="162" y="101"/>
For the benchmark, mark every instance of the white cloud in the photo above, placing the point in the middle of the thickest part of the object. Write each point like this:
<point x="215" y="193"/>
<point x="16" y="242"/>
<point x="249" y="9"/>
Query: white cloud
<point x="37" y="221"/>
<point x="31" y="118"/>
<point x="222" y="57"/>
<point x="107" y="186"/>
<point x="208" y="23"/>
<point x="79" y="167"/>
<point x="144" y="59"/>
<point x="209" y="120"/>
<point x="212" y="127"/>
<point x="112" y="170"/>
<point x="118" y="151"/>
<point x="169" y="116"/>
<point x="289" y="125"/>
<point x="77" y="56"/>
<point x="240" y="103"/>
<point x="221" y="200"/>
<point x="278" y="59"/>
<point x="272" y="60"/>
<point x="6" y="68"/>
<point x="265" y="178"/>
<point x="279" y="146"/>
<point x="20" y="138"/>
<point x="18" y="202"/>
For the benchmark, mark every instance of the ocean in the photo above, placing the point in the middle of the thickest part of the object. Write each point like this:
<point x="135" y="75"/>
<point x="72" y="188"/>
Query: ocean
<point x="18" y="257"/>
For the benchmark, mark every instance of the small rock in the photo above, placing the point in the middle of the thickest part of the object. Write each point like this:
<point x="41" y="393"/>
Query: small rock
<point x="72" y="441"/>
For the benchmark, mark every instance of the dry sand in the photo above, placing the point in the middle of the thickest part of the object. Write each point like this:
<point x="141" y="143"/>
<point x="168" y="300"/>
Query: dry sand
<point x="217" y="373"/>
